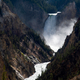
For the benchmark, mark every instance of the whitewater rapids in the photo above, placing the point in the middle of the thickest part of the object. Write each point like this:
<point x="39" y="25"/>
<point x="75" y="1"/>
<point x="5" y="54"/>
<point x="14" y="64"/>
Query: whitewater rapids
<point x="38" y="70"/>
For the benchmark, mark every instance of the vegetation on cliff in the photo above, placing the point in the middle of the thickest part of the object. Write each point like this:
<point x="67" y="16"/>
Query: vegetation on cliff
<point x="41" y="3"/>
<point x="50" y="5"/>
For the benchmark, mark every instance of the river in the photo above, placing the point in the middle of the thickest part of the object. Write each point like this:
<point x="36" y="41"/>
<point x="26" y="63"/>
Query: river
<point x="38" y="70"/>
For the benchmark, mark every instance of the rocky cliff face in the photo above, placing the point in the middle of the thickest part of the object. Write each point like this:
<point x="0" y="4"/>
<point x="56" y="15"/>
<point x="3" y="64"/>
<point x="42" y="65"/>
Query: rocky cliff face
<point x="20" y="47"/>
<point x="31" y="14"/>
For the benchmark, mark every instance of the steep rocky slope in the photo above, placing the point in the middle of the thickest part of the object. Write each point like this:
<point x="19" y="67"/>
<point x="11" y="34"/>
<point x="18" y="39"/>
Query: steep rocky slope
<point x="30" y="13"/>
<point x="20" y="47"/>
<point x="13" y="58"/>
<point x="6" y="72"/>
<point x="66" y="64"/>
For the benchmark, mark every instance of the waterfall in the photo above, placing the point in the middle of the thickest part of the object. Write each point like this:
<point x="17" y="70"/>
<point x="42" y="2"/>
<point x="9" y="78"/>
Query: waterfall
<point x="55" y="35"/>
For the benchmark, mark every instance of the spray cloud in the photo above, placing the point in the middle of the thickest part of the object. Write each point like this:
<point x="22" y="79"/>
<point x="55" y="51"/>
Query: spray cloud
<point x="55" y="35"/>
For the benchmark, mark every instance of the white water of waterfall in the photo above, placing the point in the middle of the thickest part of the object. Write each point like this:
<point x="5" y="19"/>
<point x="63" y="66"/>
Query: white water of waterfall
<point x="55" y="35"/>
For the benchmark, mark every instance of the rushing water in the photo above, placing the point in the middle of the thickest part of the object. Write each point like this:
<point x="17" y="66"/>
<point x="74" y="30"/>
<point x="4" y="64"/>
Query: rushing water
<point x="38" y="68"/>
<point x="55" y="35"/>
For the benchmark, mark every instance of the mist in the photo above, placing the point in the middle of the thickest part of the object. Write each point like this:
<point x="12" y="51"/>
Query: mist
<point x="55" y="35"/>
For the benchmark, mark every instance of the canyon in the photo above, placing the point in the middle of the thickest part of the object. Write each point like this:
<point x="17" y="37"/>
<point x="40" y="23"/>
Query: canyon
<point x="21" y="47"/>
